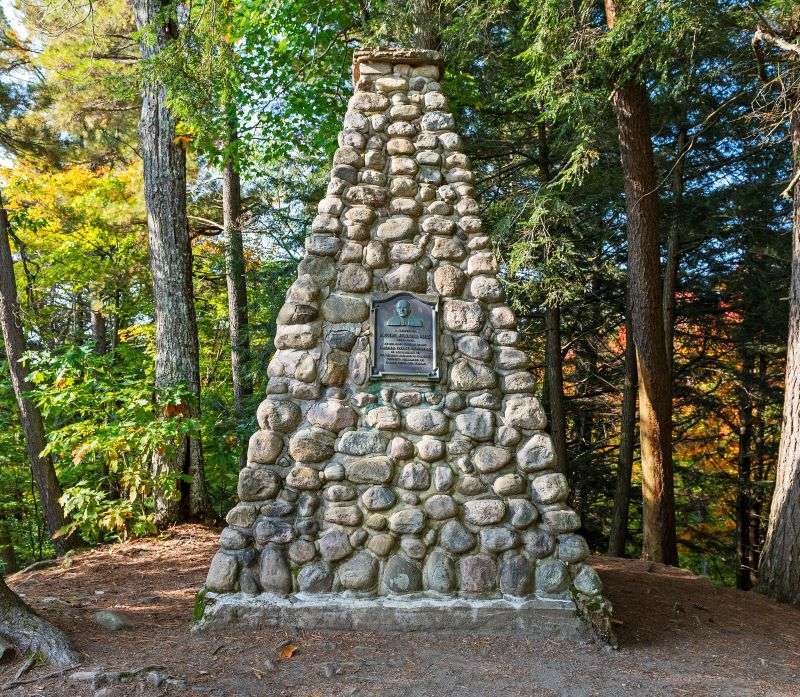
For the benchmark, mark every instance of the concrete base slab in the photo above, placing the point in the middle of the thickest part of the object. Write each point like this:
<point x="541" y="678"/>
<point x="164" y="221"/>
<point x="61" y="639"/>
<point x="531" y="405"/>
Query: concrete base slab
<point x="411" y="613"/>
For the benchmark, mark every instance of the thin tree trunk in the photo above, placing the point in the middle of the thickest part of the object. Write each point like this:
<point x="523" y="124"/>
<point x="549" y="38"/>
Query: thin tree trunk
<point x="744" y="467"/>
<point x="622" y="493"/>
<point x="759" y="470"/>
<point x="177" y="351"/>
<point x="237" y="296"/>
<point x="30" y="633"/>
<point x="427" y="24"/>
<point x="631" y="106"/>
<point x="42" y="467"/>
<point x="99" y="329"/>
<point x="673" y="244"/>
<point x="779" y="569"/>
<point x="555" y="387"/>
<point x="8" y="554"/>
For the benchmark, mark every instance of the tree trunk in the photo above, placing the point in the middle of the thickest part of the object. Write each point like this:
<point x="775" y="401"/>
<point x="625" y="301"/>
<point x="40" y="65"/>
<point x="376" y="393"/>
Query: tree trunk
<point x="427" y="24"/>
<point x="673" y="244"/>
<point x="42" y="467"/>
<point x="99" y="329"/>
<point x="177" y="352"/>
<point x="759" y="455"/>
<point x="8" y="554"/>
<point x="30" y="633"/>
<point x="555" y="387"/>
<point x="744" y="467"/>
<point x="631" y="107"/>
<point x="237" y="296"/>
<point x="622" y="493"/>
<point x="779" y="569"/>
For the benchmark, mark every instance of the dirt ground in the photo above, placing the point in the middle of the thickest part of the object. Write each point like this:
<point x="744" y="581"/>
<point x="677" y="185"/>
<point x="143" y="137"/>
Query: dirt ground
<point x="678" y="635"/>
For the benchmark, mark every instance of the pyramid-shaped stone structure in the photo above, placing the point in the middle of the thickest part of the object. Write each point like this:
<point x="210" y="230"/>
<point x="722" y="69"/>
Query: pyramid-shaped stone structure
<point x="402" y="459"/>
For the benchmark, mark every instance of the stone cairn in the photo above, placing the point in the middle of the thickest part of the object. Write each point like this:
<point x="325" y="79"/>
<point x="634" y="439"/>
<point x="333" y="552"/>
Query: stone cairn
<point x="376" y="488"/>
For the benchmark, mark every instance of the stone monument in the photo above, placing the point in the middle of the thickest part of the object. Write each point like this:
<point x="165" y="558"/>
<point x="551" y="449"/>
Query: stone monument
<point x="402" y="476"/>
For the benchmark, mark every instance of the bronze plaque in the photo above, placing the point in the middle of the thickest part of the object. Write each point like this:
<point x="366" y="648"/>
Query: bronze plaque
<point x="405" y="336"/>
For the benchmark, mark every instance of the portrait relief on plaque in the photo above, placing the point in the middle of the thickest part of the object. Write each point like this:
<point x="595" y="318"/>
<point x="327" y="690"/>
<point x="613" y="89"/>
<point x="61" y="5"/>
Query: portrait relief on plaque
<point x="405" y="336"/>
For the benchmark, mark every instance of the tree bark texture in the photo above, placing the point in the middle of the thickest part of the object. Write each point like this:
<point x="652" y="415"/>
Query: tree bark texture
<point x="237" y="296"/>
<point x="673" y="244"/>
<point x="7" y="553"/>
<point x="20" y="625"/>
<point x="622" y="493"/>
<point x="177" y="352"/>
<point x="427" y="24"/>
<point x="555" y="388"/>
<point x="779" y="569"/>
<point x="743" y="470"/>
<point x="42" y="467"/>
<point x="631" y="107"/>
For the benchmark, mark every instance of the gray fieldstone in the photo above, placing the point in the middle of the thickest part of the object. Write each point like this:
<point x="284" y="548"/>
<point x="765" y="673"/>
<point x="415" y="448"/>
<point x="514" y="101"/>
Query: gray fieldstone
<point x="354" y="278"/>
<point x="405" y="253"/>
<point x="477" y="424"/>
<point x="340" y="492"/>
<point x="439" y="572"/>
<point x="408" y="521"/>
<point x="490" y="458"/>
<point x="425" y="421"/>
<point x="273" y="530"/>
<point x="519" y="382"/>
<point x="478" y="574"/>
<point x="502" y="318"/>
<point x="332" y="415"/>
<point x="375" y="255"/>
<point x="401" y="575"/>
<point x="463" y="316"/>
<point x="274" y="575"/>
<point x="396" y="228"/>
<point x="414" y="476"/>
<point x="430" y="449"/>
<point x="376" y="469"/>
<point x="516" y="575"/>
<point x="334" y="545"/>
<point x="401" y="449"/>
<point x="484" y="511"/>
<point x="324" y="245"/>
<point x="400" y="146"/>
<point x="538" y="542"/>
<point x="383" y="418"/>
<point x="301" y="551"/>
<point x="231" y="538"/>
<point x="440" y="507"/>
<point x="339" y="308"/>
<point x="292" y="313"/>
<point x="521" y="512"/>
<point x="443" y="478"/>
<point x="470" y="485"/>
<point x="486" y="288"/>
<point x="222" y="574"/>
<point x="508" y="485"/>
<point x="507" y="358"/>
<point x="474" y="346"/>
<point x="411" y="277"/>
<point x="297" y="336"/>
<point x="378" y="498"/>
<point x="498" y="539"/>
<point x="381" y="544"/>
<point x="413" y="547"/>
<point x="311" y="445"/>
<point x="242" y="515"/>
<point x="507" y="436"/>
<point x="257" y="484"/>
<point x="437" y="121"/>
<point x="551" y="576"/>
<point x="315" y="578"/>
<point x="587" y="581"/>
<point x="455" y="538"/>
<point x="343" y="515"/>
<point x="278" y="414"/>
<point x="368" y="101"/>
<point x="448" y="248"/>
<point x="468" y="375"/>
<point x="549" y="488"/>
<point x="358" y="573"/>
<point x="304" y="478"/>
<point x="561" y="520"/>
<point x="535" y="454"/>
<point x="572" y="548"/>
<point x="362" y="442"/>
<point x="449" y="280"/>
